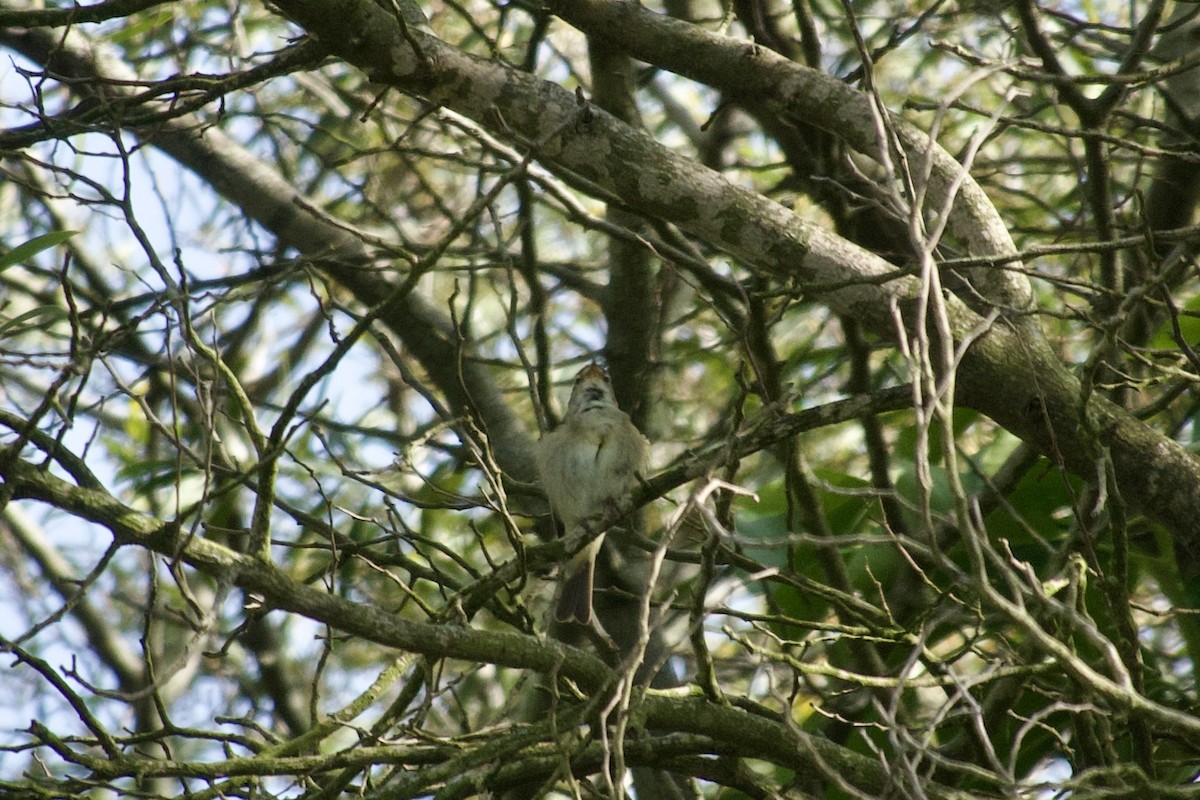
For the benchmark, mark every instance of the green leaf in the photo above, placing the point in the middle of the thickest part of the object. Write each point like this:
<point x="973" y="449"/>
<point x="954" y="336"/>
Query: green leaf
<point x="24" y="252"/>
<point x="1189" y="327"/>
<point x="1034" y="511"/>
<point x="37" y="317"/>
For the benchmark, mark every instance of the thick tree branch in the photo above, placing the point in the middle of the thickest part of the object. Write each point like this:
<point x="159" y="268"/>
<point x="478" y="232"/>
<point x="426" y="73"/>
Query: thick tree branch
<point x="773" y="82"/>
<point x="745" y="733"/>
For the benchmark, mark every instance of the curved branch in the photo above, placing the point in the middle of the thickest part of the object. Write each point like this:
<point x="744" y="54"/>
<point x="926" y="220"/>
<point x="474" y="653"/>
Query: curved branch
<point x="794" y="91"/>
<point x="281" y="591"/>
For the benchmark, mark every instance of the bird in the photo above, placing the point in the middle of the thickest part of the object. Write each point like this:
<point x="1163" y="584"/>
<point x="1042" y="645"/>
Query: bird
<point x="590" y="463"/>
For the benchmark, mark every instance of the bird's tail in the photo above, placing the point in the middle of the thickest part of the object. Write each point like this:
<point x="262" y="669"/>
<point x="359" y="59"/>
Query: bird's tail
<point x="575" y="596"/>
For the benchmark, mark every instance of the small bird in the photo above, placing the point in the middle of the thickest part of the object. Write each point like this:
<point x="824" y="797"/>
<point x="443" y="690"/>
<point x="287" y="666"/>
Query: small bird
<point x="588" y="464"/>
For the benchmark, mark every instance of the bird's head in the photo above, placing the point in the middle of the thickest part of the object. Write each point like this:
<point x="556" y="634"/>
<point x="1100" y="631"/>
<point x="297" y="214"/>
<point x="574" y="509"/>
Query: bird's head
<point x="593" y="389"/>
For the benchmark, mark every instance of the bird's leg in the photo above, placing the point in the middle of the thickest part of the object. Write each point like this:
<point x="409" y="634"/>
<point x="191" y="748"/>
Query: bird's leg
<point x="615" y="508"/>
